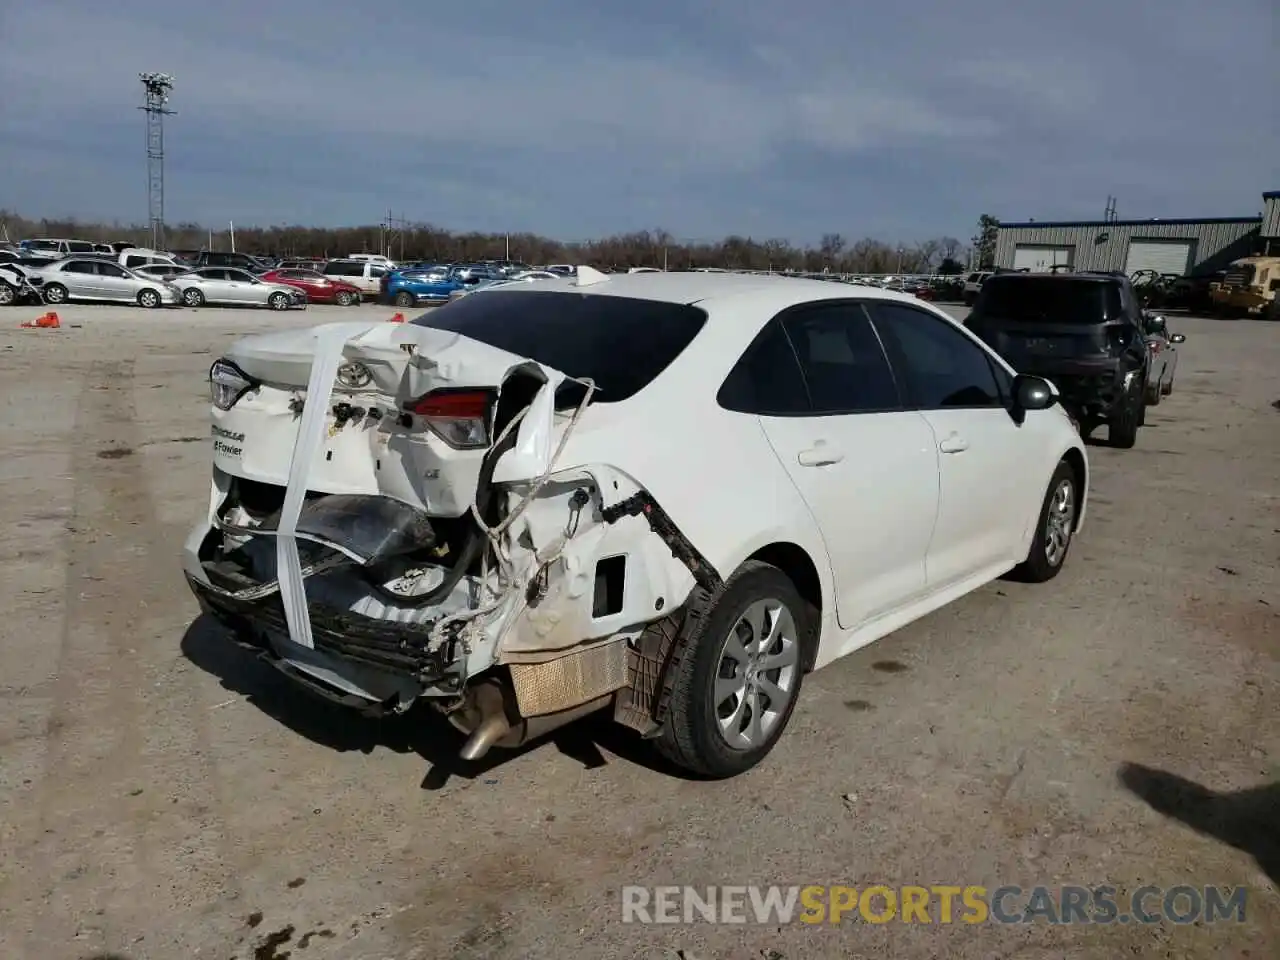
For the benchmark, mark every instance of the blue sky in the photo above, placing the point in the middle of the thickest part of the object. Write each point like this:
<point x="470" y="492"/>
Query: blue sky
<point x="575" y="118"/>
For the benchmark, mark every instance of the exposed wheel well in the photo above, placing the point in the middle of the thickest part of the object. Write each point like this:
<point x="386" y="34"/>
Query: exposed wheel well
<point x="1075" y="460"/>
<point x="801" y="571"/>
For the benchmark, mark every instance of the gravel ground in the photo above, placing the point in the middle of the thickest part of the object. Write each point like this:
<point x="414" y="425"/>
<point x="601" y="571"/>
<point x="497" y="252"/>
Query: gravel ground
<point x="164" y="796"/>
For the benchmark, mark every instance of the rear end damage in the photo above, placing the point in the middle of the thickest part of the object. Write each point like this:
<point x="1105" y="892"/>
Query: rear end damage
<point x="389" y="521"/>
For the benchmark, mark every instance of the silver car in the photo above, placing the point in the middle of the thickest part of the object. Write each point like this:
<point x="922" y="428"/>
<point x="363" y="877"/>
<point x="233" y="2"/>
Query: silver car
<point x="161" y="271"/>
<point x="90" y="278"/>
<point x="234" y="287"/>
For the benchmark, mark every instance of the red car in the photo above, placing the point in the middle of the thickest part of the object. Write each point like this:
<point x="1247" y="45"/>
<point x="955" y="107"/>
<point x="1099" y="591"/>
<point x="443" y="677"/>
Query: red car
<point x="317" y="287"/>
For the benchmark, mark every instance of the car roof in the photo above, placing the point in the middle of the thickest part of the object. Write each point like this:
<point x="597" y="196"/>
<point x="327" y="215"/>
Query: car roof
<point x="1083" y="275"/>
<point x="708" y="288"/>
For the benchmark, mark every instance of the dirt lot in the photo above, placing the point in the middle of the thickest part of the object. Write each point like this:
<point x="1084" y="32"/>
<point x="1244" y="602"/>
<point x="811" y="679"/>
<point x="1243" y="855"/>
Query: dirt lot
<point x="164" y="796"/>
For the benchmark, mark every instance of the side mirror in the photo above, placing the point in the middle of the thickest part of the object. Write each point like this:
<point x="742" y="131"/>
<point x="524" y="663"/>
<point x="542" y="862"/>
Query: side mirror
<point x="1178" y="338"/>
<point x="1157" y="324"/>
<point x="1030" y="393"/>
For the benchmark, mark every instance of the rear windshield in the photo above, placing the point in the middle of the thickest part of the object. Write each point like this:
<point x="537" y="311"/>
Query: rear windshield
<point x="1048" y="299"/>
<point x="619" y="342"/>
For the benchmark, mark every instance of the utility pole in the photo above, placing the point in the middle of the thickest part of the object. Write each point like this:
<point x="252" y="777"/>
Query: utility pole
<point x="157" y="87"/>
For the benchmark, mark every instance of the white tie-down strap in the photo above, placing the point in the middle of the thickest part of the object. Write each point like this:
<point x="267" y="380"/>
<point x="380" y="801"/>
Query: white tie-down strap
<point x="311" y="431"/>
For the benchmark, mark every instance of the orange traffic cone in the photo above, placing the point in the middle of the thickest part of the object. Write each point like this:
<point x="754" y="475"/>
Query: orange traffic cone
<point x="48" y="321"/>
<point x="398" y="318"/>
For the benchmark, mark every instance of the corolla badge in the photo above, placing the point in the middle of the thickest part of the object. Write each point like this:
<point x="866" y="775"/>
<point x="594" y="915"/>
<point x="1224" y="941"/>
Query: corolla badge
<point x="354" y="375"/>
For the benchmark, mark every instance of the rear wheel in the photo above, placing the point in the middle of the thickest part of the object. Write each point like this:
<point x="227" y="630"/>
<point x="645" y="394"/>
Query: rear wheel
<point x="1054" y="528"/>
<point x="404" y="299"/>
<point x="736" y="674"/>
<point x="1122" y="425"/>
<point x="1154" y="393"/>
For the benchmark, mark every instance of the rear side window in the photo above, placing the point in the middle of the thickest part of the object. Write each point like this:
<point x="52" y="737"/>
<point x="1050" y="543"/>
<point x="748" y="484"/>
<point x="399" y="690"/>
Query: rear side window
<point x="767" y="380"/>
<point x="1049" y="299"/>
<point x="80" y="246"/>
<point x="619" y="342"/>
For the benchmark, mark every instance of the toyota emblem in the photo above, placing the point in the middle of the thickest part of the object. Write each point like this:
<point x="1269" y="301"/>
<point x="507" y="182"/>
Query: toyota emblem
<point x="354" y="375"/>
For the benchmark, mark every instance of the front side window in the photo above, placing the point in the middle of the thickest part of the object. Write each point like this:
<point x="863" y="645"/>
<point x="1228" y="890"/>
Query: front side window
<point x="942" y="367"/>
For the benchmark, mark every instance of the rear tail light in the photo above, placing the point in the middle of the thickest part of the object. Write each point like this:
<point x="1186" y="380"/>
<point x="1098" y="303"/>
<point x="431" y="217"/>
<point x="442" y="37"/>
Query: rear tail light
<point x="459" y="417"/>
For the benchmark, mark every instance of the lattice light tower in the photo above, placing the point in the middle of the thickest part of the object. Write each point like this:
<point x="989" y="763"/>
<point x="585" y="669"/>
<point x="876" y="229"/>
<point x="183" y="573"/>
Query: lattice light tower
<point x="157" y="86"/>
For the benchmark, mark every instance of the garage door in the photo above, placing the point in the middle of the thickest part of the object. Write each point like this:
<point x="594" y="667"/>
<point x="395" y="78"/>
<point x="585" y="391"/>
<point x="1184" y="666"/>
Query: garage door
<point x="1162" y="256"/>
<point x="1039" y="258"/>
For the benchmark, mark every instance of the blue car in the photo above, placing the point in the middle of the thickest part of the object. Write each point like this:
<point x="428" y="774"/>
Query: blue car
<point x="410" y="286"/>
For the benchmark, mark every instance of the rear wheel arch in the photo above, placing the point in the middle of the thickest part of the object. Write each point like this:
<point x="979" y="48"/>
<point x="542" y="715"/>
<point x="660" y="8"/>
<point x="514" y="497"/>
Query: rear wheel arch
<point x="796" y="564"/>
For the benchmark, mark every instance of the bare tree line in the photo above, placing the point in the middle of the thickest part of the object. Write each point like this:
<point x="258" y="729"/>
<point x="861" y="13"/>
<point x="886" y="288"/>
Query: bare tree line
<point x="421" y="241"/>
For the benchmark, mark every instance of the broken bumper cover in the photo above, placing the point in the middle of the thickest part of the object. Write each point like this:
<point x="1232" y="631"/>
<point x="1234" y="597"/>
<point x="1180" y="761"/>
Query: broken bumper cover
<point x="356" y="660"/>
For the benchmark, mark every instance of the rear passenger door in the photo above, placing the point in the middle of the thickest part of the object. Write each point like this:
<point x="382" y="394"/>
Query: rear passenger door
<point x="865" y="466"/>
<point x="986" y="493"/>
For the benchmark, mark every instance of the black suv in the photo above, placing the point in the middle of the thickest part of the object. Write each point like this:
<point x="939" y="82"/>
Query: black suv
<point x="1083" y="331"/>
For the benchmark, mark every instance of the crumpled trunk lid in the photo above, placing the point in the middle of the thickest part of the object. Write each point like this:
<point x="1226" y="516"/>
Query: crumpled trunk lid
<point x="365" y="441"/>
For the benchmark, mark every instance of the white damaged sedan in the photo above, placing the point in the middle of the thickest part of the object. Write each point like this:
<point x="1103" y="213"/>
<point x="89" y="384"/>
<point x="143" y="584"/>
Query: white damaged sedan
<point x="669" y="496"/>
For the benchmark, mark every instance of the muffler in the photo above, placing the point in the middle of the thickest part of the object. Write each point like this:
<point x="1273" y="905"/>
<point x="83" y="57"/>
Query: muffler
<point x="490" y="718"/>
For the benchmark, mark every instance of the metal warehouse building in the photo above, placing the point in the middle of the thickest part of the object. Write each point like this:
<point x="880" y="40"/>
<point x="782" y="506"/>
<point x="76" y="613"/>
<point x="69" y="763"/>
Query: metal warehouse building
<point x="1167" y="246"/>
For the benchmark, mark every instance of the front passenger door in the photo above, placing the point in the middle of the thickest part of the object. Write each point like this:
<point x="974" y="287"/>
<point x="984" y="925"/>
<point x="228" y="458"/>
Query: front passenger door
<point x="984" y="456"/>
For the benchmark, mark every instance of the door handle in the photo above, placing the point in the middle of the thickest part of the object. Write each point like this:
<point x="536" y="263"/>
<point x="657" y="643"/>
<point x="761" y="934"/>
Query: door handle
<point x="954" y="444"/>
<point x="819" y="456"/>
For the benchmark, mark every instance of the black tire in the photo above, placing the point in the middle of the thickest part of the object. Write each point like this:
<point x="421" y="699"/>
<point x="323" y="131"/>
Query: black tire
<point x="404" y="299"/>
<point x="148" y="299"/>
<point x="1122" y="426"/>
<point x="278" y="301"/>
<point x="193" y="297"/>
<point x="345" y="298"/>
<point x="691" y="737"/>
<point x="1168" y="387"/>
<point x="1087" y="426"/>
<point x="8" y="295"/>
<point x="54" y="293"/>
<point x="1042" y="563"/>
<point x="1154" y="393"/>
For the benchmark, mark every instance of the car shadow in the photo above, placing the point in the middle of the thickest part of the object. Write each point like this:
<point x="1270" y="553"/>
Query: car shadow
<point x="1248" y="820"/>
<point x="420" y="730"/>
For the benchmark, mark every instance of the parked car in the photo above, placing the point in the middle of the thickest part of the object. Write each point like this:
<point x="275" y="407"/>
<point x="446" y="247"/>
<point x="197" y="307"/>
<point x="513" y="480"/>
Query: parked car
<point x="1163" y="348"/>
<point x="1083" y="331"/>
<point x="53" y="248"/>
<point x="99" y="278"/>
<point x="306" y="263"/>
<point x="16" y="287"/>
<point x="232" y="287"/>
<point x="366" y="275"/>
<point x="240" y="261"/>
<point x="135" y="257"/>
<point x="407" y="288"/>
<point x="694" y="490"/>
<point x="162" y="271"/>
<point x="317" y="287"/>
<point x="973" y="286"/>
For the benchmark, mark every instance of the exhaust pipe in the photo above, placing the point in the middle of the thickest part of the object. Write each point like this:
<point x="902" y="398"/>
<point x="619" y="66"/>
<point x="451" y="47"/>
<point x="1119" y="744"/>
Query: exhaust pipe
<point x="490" y="719"/>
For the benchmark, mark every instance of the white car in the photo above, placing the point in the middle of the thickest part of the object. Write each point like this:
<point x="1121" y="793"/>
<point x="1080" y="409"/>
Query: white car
<point x="91" y="278"/>
<point x="231" y="286"/>
<point x="666" y="496"/>
<point x="973" y="286"/>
